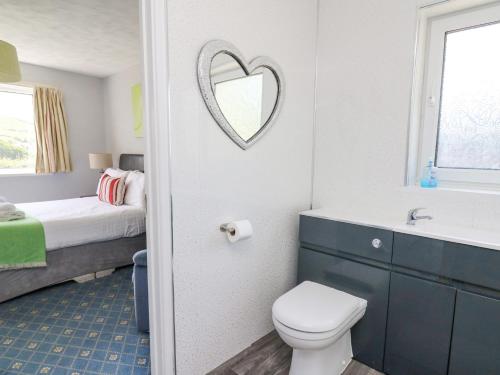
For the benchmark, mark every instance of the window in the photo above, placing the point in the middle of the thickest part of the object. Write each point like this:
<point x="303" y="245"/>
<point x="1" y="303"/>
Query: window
<point x="459" y="99"/>
<point x="17" y="130"/>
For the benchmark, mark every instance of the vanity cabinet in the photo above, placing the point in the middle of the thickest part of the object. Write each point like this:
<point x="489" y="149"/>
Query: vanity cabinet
<point x="475" y="348"/>
<point x="419" y="326"/>
<point x="427" y="311"/>
<point x="360" y="280"/>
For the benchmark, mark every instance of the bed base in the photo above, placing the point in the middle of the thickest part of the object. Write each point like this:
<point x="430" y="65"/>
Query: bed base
<point x="69" y="263"/>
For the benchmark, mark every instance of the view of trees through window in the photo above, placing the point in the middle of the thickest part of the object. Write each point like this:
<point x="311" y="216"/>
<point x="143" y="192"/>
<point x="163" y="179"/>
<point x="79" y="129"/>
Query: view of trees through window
<point x="469" y="123"/>
<point x="17" y="132"/>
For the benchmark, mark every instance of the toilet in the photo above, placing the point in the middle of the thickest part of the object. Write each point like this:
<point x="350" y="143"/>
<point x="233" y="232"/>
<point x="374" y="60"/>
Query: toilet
<point x="316" y="320"/>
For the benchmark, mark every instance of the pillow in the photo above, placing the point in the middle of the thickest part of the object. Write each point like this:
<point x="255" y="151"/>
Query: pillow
<point x="135" y="194"/>
<point x="111" y="189"/>
<point x="113" y="172"/>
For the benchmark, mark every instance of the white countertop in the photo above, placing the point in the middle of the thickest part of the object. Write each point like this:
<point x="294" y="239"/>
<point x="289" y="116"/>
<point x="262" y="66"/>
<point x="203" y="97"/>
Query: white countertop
<point x="424" y="228"/>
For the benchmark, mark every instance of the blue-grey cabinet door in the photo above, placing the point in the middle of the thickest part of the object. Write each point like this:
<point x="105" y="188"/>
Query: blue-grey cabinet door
<point x="475" y="348"/>
<point x="370" y="283"/>
<point x="474" y="265"/>
<point x="418" y="327"/>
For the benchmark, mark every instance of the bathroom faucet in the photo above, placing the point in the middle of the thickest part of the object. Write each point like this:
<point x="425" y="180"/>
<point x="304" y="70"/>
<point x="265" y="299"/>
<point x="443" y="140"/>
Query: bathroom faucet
<point x="413" y="218"/>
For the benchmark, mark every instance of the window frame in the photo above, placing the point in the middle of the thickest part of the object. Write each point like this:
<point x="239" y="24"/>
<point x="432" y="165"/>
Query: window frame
<point x="23" y="89"/>
<point x="435" y="22"/>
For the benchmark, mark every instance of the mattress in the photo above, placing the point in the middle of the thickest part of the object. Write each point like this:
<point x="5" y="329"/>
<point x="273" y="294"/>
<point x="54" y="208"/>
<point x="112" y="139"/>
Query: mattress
<point x="72" y="222"/>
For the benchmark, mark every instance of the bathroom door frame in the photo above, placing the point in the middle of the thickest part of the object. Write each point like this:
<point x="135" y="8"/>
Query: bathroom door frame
<point x="153" y="21"/>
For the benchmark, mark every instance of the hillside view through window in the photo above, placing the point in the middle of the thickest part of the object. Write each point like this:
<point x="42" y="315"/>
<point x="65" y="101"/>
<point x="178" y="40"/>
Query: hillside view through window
<point x="17" y="130"/>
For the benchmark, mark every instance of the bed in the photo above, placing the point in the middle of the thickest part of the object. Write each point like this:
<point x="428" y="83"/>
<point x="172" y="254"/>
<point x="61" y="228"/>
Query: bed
<point x="83" y="236"/>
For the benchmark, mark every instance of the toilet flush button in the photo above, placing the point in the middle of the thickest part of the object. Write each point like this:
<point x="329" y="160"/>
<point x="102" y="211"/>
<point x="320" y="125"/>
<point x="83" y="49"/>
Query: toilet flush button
<point x="376" y="243"/>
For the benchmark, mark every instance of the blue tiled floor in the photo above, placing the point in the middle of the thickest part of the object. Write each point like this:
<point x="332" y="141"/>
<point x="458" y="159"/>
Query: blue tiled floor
<point x="74" y="329"/>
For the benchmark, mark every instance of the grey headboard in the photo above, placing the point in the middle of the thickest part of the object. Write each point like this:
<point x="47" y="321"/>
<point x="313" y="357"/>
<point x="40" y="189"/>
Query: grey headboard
<point x="132" y="162"/>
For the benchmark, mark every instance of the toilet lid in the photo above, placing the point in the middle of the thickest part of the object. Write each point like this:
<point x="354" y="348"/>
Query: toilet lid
<point x="312" y="307"/>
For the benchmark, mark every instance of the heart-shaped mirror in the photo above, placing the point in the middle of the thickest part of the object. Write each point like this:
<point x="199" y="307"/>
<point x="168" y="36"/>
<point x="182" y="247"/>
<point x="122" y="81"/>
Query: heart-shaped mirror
<point x="244" y="98"/>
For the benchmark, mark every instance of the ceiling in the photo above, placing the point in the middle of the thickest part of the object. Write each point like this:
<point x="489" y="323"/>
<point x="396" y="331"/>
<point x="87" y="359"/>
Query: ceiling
<point x="93" y="37"/>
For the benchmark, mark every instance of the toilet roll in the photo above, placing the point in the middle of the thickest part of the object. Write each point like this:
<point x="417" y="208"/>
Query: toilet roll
<point x="239" y="230"/>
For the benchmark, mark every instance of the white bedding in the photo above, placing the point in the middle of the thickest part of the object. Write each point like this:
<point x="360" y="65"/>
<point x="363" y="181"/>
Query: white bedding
<point x="72" y="222"/>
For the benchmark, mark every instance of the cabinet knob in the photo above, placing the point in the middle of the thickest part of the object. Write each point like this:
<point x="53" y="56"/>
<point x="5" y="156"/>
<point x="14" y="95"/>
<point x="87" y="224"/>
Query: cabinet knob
<point x="376" y="243"/>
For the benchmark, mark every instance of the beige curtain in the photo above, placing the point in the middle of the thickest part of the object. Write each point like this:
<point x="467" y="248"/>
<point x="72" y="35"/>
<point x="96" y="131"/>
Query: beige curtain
<point x="51" y="132"/>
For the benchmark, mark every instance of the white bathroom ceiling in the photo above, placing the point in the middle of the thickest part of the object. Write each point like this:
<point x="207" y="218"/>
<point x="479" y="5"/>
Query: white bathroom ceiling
<point x="93" y="37"/>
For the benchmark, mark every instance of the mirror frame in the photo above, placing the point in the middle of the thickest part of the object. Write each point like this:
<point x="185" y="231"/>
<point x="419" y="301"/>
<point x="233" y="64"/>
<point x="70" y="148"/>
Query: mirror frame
<point x="207" y="54"/>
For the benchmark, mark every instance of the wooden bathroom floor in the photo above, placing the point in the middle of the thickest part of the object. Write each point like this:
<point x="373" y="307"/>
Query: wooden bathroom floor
<point x="271" y="356"/>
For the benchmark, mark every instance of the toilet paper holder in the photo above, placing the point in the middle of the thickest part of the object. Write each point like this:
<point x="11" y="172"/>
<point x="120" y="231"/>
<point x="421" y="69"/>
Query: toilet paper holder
<point x="226" y="228"/>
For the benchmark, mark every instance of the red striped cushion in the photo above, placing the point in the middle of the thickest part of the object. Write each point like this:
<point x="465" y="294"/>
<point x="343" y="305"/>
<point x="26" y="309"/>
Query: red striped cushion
<point x="111" y="189"/>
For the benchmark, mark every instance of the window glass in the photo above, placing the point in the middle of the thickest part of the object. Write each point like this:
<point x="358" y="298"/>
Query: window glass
<point x="17" y="131"/>
<point x="469" y="119"/>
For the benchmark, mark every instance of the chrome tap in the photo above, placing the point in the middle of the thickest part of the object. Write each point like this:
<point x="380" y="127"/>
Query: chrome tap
<point x="413" y="218"/>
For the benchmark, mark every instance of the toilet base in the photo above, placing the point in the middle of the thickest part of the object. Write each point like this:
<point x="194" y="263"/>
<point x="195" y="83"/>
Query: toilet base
<point x="331" y="360"/>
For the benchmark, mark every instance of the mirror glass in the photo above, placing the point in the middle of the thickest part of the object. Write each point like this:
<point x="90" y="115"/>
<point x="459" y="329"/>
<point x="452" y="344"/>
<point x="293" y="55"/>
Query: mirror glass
<point x="246" y="101"/>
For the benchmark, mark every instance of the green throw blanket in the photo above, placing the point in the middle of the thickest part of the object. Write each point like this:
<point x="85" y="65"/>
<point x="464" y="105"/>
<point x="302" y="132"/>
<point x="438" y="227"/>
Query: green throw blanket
<point x="22" y="244"/>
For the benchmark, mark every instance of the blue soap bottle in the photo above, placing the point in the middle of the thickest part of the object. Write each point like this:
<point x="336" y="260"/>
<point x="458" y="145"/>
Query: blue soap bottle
<point x="429" y="179"/>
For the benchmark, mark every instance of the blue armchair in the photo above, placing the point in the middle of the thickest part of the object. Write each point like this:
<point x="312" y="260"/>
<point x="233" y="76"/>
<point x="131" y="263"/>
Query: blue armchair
<point x="140" y="280"/>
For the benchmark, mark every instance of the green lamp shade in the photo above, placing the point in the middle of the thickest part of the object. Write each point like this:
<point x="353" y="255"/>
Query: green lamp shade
<point x="9" y="64"/>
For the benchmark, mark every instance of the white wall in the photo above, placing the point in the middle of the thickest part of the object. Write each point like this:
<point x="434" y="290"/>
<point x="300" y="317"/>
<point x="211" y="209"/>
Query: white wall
<point x="82" y="97"/>
<point x="365" y="73"/>
<point x="224" y="292"/>
<point x="119" y="119"/>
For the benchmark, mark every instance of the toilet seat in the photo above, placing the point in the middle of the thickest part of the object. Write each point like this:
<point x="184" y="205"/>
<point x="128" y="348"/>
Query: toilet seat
<point x="318" y="336"/>
<point x="312" y="308"/>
